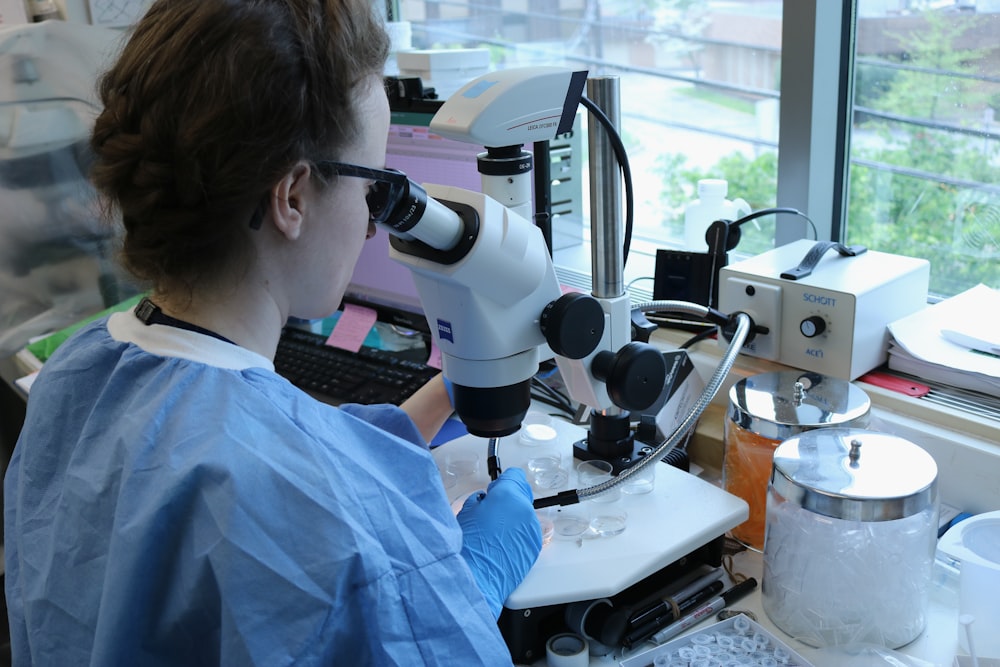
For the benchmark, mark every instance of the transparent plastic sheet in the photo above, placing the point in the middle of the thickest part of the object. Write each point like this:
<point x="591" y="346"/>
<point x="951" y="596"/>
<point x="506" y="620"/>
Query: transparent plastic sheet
<point x="865" y="655"/>
<point x="57" y="256"/>
<point x="825" y="585"/>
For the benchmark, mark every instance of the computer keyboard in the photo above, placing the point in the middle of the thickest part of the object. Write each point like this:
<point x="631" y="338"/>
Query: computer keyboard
<point x="339" y="376"/>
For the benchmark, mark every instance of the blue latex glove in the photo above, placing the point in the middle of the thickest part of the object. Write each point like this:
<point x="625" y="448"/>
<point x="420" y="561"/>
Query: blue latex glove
<point x="501" y="536"/>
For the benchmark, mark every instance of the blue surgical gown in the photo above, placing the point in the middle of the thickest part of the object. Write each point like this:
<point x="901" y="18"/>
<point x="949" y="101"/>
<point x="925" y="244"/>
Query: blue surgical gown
<point x="176" y="502"/>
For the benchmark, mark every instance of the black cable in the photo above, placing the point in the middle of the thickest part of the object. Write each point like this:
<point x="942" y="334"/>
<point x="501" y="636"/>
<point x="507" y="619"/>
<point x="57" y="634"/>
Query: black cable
<point x="551" y="391"/>
<point x="626" y="171"/>
<point x="541" y="398"/>
<point x="775" y="210"/>
<point x="549" y="396"/>
<point x="698" y="337"/>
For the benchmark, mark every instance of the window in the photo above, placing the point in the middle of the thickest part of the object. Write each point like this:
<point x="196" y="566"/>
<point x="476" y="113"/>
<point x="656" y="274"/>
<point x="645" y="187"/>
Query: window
<point x="925" y="145"/>
<point x="759" y="93"/>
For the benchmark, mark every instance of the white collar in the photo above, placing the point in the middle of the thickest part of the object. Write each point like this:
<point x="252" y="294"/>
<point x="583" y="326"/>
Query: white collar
<point x="168" y="341"/>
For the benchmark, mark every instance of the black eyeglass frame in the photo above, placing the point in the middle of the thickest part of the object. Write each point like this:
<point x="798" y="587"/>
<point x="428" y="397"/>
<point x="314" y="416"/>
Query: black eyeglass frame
<point x="390" y="186"/>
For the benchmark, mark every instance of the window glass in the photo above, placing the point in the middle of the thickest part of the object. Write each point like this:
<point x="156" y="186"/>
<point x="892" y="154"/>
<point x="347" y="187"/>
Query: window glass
<point x="700" y="93"/>
<point x="924" y="174"/>
<point x="698" y="82"/>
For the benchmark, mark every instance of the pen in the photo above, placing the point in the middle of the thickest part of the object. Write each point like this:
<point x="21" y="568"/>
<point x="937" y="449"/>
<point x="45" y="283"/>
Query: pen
<point x="713" y="606"/>
<point x="644" y="632"/>
<point x="610" y="628"/>
<point x="667" y="604"/>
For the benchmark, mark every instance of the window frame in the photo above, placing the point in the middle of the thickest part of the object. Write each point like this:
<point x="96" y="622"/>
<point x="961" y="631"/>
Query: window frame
<point x="813" y="162"/>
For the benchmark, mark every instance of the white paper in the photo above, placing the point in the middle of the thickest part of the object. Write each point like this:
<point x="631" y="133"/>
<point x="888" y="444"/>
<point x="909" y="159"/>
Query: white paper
<point x="24" y="383"/>
<point x="980" y="330"/>
<point x="920" y="334"/>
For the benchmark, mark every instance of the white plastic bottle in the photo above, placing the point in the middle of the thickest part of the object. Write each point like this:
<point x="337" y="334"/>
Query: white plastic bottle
<point x="710" y="206"/>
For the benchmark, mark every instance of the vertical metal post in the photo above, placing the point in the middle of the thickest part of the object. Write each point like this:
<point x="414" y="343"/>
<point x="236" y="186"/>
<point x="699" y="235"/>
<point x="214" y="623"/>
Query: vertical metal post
<point x="606" y="227"/>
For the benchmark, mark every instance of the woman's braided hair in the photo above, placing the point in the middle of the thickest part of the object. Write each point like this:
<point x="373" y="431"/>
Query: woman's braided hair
<point x="210" y="103"/>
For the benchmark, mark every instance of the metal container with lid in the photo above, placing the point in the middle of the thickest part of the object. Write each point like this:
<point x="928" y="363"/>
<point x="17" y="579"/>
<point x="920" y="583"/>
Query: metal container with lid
<point x="851" y="532"/>
<point x="765" y="410"/>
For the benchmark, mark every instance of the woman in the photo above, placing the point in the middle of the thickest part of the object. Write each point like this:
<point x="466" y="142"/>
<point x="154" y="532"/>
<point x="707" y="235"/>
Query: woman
<point x="171" y="499"/>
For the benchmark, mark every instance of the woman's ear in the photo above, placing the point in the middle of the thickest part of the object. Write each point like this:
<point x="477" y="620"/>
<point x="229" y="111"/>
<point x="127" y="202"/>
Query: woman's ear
<point x="288" y="201"/>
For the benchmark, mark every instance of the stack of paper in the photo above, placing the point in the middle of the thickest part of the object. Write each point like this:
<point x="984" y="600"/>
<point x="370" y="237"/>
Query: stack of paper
<point x="954" y="342"/>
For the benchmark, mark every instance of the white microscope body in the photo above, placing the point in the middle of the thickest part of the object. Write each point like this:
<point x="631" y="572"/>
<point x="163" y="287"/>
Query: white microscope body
<point x="490" y="292"/>
<point x="484" y="309"/>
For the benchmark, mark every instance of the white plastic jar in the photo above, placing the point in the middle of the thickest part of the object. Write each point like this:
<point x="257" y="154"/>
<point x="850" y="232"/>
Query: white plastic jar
<point x="710" y="206"/>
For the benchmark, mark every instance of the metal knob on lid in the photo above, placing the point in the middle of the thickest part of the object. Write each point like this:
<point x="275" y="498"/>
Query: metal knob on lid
<point x="780" y="405"/>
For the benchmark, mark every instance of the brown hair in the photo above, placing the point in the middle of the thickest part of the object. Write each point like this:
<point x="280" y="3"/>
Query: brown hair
<point x="210" y="103"/>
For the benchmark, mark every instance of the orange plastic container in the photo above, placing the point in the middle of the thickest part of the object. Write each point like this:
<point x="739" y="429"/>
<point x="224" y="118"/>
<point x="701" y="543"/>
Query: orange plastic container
<point x="764" y="411"/>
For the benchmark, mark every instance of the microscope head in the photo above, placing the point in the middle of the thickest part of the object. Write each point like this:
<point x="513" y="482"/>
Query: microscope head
<point x="482" y="269"/>
<point x="512" y="107"/>
<point x="483" y="299"/>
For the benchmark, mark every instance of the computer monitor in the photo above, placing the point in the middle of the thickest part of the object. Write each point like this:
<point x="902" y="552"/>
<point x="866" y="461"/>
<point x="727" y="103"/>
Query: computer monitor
<point x="378" y="281"/>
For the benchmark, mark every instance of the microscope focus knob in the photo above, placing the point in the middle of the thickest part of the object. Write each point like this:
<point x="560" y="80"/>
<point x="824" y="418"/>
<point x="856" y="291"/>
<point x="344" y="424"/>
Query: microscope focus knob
<point x="634" y="375"/>
<point x="573" y="325"/>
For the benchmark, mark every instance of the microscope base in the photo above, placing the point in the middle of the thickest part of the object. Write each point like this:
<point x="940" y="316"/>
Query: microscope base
<point x="527" y="630"/>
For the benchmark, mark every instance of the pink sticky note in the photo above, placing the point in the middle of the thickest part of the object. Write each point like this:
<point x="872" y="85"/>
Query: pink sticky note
<point x="434" y="360"/>
<point x="352" y="327"/>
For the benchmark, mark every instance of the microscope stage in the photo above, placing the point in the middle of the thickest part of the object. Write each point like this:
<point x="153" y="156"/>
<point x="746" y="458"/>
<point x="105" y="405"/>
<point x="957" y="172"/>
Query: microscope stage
<point x="678" y="516"/>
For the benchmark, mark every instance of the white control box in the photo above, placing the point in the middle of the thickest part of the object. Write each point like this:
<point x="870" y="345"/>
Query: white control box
<point x="832" y="321"/>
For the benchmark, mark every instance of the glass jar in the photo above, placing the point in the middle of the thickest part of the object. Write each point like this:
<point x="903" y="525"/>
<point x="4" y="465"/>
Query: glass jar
<point x="851" y="533"/>
<point x="765" y="410"/>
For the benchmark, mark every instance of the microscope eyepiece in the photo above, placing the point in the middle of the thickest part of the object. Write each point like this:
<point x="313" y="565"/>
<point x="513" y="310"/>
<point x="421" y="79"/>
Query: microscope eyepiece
<point x="403" y="209"/>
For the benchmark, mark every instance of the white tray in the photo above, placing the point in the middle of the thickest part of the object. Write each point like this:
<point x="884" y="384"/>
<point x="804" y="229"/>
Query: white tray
<point x="783" y="654"/>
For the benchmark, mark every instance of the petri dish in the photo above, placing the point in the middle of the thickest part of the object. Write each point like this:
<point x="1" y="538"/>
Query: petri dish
<point x="609" y="525"/>
<point x="570" y="523"/>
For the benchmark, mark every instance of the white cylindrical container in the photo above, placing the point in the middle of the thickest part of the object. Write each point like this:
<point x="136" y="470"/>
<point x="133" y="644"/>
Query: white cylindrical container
<point x="567" y="650"/>
<point x="975" y="545"/>
<point x="710" y="206"/>
<point x="851" y="533"/>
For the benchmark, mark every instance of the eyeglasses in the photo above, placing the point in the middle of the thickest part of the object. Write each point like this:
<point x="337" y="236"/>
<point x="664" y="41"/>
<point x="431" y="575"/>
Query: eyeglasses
<point x="388" y="187"/>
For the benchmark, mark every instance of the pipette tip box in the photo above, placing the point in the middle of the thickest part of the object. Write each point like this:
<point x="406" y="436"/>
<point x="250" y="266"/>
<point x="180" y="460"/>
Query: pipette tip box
<point x="743" y="641"/>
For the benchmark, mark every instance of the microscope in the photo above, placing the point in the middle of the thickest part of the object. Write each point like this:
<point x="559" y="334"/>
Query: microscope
<point x="489" y="289"/>
<point x="496" y="311"/>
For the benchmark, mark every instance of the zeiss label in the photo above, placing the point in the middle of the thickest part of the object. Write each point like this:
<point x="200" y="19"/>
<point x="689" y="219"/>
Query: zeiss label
<point x="444" y="331"/>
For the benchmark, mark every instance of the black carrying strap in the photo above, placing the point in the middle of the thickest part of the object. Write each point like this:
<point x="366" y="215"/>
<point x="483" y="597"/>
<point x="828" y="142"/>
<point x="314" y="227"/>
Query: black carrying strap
<point x="149" y="313"/>
<point x="816" y="253"/>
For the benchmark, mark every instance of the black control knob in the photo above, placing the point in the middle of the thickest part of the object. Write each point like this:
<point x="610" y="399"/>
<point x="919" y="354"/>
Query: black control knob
<point x="634" y="375"/>
<point x="812" y="326"/>
<point x="573" y="325"/>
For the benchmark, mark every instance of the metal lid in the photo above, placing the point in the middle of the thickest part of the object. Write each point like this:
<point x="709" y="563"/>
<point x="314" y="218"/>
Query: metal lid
<point x="782" y="404"/>
<point x="855" y="474"/>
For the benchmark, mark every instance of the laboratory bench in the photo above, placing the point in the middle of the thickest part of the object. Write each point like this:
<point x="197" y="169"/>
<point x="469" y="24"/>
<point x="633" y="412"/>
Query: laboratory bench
<point x="966" y="450"/>
<point x="670" y="523"/>
<point x="937" y="646"/>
